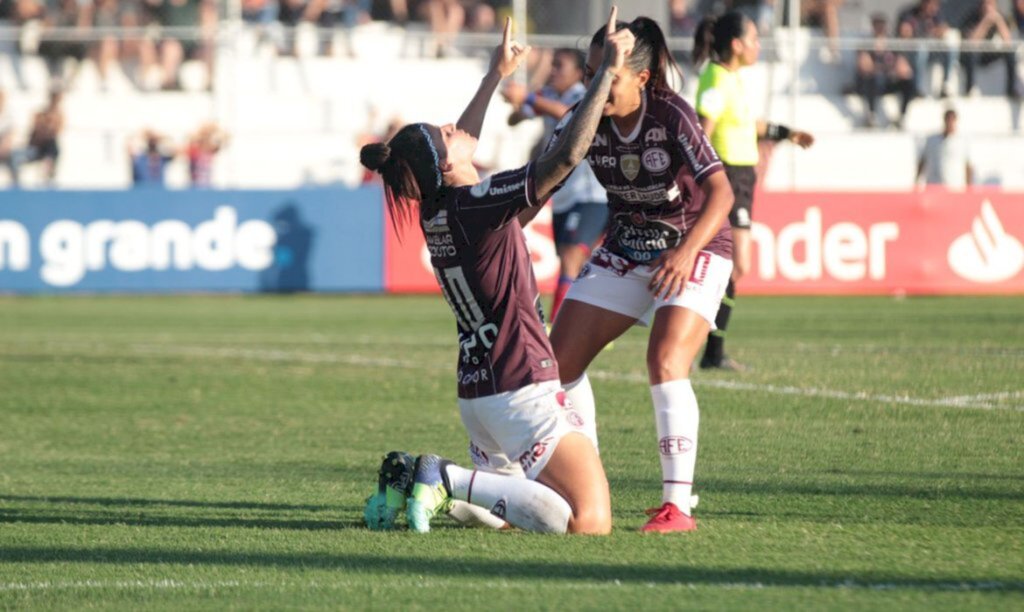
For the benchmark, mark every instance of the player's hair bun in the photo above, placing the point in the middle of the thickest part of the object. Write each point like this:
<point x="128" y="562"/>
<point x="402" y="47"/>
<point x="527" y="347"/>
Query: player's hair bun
<point x="375" y="155"/>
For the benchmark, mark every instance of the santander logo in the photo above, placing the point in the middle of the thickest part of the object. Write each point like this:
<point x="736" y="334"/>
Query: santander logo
<point x="986" y="254"/>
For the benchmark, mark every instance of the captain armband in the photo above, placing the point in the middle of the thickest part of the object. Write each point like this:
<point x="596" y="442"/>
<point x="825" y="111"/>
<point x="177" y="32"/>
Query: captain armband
<point x="776" y="132"/>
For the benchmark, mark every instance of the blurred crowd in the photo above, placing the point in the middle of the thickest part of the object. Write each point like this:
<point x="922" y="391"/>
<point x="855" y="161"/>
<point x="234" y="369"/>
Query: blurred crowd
<point x="149" y="42"/>
<point x="150" y="39"/>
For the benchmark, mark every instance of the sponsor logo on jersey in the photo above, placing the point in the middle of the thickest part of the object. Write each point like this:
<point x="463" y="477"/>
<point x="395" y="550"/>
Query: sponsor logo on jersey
<point x="484" y="188"/>
<point x="440" y="243"/>
<point x="436" y="224"/>
<point x="655" y="134"/>
<point x="530" y="458"/>
<point x="600" y="140"/>
<point x="644" y="241"/>
<point x="602" y="161"/>
<point x="654" y="196"/>
<point x="986" y="254"/>
<point x="480" y="189"/>
<point x="506" y="189"/>
<point x="696" y="165"/>
<point x="630" y="165"/>
<point x="675" y="445"/>
<point x="656" y="160"/>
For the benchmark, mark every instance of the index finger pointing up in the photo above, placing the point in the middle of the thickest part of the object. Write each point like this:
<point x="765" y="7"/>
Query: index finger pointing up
<point x="507" y="34"/>
<point x="612" y="19"/>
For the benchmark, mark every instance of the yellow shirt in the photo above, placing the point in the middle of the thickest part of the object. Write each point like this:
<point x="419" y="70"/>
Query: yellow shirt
<point x="721" y="98"/>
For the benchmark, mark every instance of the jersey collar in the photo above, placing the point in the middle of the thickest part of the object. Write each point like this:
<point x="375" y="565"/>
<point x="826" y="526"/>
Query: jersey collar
<point x="636" y="130"/>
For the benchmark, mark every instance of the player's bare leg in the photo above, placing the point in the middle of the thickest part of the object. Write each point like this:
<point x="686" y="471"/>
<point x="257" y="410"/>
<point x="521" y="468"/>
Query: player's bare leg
<point x="676" y="337"/>
<point x="581" y="331"/>
<point x="575" y="472"/>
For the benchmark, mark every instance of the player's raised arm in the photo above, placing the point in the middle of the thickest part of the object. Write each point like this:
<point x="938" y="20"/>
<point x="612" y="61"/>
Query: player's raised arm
<point x="506" y="58"/>
<point x="568" y="151"/>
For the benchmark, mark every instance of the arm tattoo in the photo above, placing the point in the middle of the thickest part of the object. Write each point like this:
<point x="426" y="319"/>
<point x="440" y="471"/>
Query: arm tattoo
<point x="572" y="145"/>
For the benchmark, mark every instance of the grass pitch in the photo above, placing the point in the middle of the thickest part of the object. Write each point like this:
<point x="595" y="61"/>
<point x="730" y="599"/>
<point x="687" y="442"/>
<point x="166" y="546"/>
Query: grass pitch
<point x="214" y="452"/>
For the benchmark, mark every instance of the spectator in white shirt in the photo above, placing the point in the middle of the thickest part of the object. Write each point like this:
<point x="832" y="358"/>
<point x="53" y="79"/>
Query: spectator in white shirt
<point x="945" y="160"/>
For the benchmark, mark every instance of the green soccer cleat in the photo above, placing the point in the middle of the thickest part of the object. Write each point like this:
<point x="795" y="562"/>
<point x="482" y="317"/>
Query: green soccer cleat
<point x="394" y="484"/>
<point x="431" y="493"/>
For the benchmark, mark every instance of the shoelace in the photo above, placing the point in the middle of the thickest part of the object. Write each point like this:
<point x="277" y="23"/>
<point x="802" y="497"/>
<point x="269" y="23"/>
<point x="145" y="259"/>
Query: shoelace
<point x="662" y="512"/>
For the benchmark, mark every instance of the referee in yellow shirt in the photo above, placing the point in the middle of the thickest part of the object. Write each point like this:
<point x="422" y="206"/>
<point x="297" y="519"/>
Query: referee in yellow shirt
<point x="731" y="42"/>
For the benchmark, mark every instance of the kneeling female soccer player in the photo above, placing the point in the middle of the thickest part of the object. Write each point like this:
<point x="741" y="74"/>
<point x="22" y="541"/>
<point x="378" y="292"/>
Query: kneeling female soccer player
<point x="510" y="398"/>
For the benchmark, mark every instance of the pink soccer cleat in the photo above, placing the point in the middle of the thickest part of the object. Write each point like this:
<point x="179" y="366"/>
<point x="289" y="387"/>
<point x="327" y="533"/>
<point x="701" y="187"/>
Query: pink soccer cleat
<point x="669" y="518"/>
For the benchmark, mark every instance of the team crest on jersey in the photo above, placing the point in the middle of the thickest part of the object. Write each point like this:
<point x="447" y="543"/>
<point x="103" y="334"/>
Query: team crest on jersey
<point x="630" y="165"/>
<point x="656" y="160"/>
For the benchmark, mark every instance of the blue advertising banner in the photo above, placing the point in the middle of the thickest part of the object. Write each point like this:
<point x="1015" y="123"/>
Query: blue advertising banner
<point x="173" y="241"/>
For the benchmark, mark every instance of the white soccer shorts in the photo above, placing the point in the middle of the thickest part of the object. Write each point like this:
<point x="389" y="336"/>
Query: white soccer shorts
<point x="616" y="284"/>
<point x="515" y="433"/>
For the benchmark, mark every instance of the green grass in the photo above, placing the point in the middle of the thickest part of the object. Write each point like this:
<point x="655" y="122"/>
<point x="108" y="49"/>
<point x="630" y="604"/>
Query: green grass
<point x="214" y="452"/>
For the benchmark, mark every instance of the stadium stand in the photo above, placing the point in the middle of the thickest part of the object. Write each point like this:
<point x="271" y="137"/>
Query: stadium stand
<point x="294" y="120"/>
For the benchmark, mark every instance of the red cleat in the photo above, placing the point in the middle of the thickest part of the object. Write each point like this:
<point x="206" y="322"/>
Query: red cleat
<point x="669" y="518"/>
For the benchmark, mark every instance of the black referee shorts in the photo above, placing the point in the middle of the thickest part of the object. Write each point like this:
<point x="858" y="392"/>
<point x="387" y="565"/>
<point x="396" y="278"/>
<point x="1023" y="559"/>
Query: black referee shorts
<point x="742" y="179"/>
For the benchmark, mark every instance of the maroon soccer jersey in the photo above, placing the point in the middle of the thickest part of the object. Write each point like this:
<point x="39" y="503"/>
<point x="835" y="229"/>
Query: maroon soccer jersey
<point x="480" y="259"/>
<point x="653" y="177"/>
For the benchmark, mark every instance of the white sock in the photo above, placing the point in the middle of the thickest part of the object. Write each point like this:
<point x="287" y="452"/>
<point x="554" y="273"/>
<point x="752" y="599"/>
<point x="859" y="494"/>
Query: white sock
<point x="471" y="515"/>
<point x="523" y="503"/>
<point x="582" y="398"/>
<point x="677" y="418"/>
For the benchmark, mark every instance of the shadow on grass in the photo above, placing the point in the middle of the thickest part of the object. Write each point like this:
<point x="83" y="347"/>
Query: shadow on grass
<point x="962" y="491"/>
<point x="505" y="570"/>
<point x="141" y="520"/>
<point x="178" y="503"/>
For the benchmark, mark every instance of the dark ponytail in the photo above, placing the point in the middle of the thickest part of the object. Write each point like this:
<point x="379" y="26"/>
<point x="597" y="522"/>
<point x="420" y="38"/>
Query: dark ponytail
<point x="409" y="167"/>
<point x="650" y="52"/>
<point x="714" y="36"/>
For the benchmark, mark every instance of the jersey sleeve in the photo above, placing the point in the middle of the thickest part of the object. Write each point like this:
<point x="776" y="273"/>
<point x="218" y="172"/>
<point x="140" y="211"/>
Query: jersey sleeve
<point x="497" y="199"/>
<point x="694" y="146"/>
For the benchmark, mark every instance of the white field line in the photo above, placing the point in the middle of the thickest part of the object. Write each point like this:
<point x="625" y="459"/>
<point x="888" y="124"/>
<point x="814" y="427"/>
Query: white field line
<point x="973" y="402"/>
<point x="491" y="585"/>
<point x="984" y="396"/>
<point x="858" y="396"/>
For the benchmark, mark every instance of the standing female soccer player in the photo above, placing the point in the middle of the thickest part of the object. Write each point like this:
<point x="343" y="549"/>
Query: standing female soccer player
<point x="580" y="208"/>
<point x="731" y="42"/>
<point x="667" y="248"/>
<point x="508" y="385"/>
